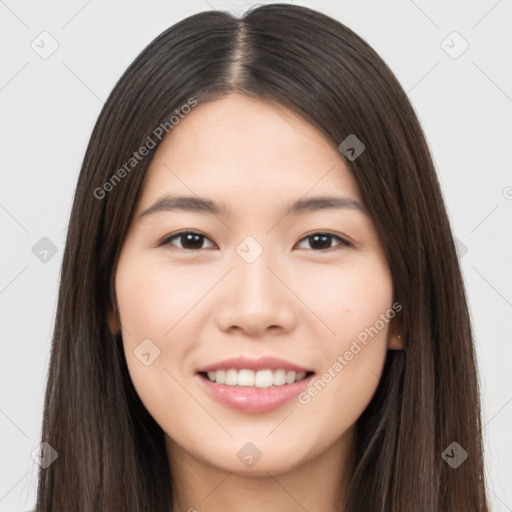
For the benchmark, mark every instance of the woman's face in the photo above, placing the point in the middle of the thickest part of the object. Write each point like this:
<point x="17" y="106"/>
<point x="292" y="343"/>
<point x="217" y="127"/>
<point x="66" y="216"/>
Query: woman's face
<point x="262" y="293"/>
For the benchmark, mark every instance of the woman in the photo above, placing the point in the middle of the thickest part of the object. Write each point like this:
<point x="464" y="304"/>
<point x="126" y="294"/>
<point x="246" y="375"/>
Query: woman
<point x="267" y="369"/>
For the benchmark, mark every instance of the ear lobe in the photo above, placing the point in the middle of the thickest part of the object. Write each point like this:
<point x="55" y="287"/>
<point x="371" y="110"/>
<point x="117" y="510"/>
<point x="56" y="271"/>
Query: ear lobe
<point x="395" y="339"/>
<point x="395" y="342"/>
<point x="113" y="321"/>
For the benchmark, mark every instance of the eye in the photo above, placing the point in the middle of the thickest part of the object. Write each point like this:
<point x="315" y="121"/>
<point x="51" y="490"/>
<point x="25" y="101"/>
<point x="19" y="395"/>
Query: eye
<point x="191" y="240"/>
<point x="322" y="240"/>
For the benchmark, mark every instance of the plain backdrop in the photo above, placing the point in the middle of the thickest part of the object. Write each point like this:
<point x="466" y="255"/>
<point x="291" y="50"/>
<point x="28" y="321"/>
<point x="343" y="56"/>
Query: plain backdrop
<point x="49" y="104"/>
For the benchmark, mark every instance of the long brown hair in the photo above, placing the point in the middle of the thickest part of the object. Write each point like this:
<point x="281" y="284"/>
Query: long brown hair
<point x="111" y="452"/>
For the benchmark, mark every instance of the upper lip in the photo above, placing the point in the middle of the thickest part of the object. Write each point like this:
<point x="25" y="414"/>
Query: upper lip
<point x="263" y="363"/>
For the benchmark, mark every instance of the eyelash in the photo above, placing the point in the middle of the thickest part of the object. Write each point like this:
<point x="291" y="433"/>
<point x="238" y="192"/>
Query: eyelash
<point x="343" y="242"/>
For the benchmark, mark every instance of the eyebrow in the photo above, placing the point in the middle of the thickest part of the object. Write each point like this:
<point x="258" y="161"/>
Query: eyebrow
<point x="202" y="205"/>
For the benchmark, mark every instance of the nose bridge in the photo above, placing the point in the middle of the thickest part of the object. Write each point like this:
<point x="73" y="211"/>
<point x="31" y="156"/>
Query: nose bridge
<point x="256" y="298"/>
<point x="252" y="270"/>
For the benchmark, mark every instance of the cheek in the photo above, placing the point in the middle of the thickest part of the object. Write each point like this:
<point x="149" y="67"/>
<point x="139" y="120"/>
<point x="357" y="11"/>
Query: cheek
<point x="157" y="304"/>
<point x="347" y="298"/>
<point x="153" y="297"/>
<point x="356" y="305"/>
<point x="338" y="395"/>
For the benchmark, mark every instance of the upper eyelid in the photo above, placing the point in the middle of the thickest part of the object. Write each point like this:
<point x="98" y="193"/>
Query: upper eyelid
<point x="167" y="238"/>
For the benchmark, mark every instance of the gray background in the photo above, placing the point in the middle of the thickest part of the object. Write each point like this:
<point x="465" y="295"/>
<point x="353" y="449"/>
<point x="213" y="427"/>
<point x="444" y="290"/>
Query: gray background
<point x="49" y="106"/>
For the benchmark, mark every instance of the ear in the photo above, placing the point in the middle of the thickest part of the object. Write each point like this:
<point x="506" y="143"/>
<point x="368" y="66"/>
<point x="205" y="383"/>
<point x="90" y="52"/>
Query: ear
<point x="395" y="342"/>
<point x="113" y="320"/>
<point x="395" y="337"/>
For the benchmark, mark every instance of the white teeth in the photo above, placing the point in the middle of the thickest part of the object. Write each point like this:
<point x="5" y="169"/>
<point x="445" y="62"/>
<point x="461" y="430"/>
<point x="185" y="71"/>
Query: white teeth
<point x="231" y="378"/>
<point x="290" y="377"/>
<point x="279" y="377"/>
<point x="259" y="379"/>
<point x="245" y="378"/>
<point x="264" y="379"/>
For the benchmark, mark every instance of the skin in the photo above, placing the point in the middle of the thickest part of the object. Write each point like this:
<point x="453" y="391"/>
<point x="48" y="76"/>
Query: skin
<point x="296" y="301"/>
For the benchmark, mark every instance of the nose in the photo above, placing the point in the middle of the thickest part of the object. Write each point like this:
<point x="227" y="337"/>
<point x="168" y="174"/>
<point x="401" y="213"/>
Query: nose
<point x="257" y="298"/>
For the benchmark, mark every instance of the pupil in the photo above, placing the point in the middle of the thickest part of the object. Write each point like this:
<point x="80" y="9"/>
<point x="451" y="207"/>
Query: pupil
<point x="193" y="243"/>
<point x="325" y="240"/>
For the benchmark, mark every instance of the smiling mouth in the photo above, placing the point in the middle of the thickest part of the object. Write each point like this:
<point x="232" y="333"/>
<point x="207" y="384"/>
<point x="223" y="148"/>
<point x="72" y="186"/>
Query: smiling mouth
<point x="255" y="379"/>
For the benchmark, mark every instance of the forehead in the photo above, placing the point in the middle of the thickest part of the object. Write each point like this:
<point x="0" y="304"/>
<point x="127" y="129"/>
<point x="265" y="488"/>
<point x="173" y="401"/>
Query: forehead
<point x="249" y="152"/>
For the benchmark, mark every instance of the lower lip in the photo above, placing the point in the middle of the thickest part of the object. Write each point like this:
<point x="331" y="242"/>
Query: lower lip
<point x="254" y="400"/>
